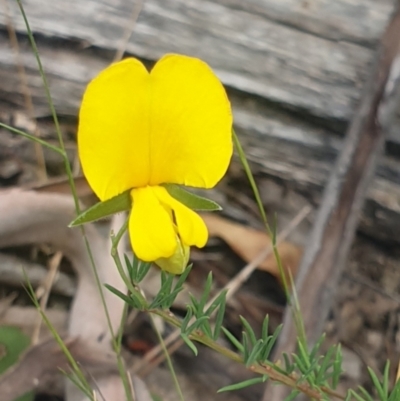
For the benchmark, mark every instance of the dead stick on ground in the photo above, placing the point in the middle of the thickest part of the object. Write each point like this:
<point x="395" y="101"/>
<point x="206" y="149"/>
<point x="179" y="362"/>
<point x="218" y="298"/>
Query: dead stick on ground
<point x="338" y="215"/>
<point x="232" y="287"/>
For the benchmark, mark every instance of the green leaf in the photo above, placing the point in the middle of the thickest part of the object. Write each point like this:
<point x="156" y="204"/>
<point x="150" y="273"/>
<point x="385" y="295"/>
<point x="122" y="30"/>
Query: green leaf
<point x="143" y="269"/>
<point x="316" y="347"/>
<point x="254" y="353"/>
<point x="221" y="299"/>
<point x="233" y="340"/>
<point x="196" y="324"/>
<point x="12" y="343"/>
<point x="248" y="330"/>
<point x="204" y="296"/>
<point x="118" y="204"/>
<point x="325" y="365"/>
<point x="189" y="343"/>
<point x="220" y="316"/>
<point x="187" y="318"/>
<point x="246" y="345"/>
<point x="385" y="380"/>
<point x="133" y="299"/>
<point x="243" y="384"/>
<point x="292" y="395"/>
<point x="270" y="342"/>
<point x="264" y="329"/>
<point x="365" y="393"/>
<point x="378" y="387"/>
<point x="337" y="367"/>
<point x="192" y="201"/>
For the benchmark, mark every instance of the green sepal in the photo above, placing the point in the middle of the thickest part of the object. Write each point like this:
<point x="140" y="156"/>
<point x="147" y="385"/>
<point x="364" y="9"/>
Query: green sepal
<point x="117" y="204"/>
<point x="192" y="201"/>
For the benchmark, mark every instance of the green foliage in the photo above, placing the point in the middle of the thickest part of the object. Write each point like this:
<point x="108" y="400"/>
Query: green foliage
<point x="123" y="203"/>
<point x="101" y="210"/>
<point x="192" y="201"/>
<point x="381" y="387"/>
<point x="12" y="343"/>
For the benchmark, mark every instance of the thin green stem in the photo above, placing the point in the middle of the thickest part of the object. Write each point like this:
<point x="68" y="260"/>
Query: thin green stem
<point x="250" y="177"/>
<point x="292" y="301"/>
<point x="84" y="385"/>
<point x="169" y="361"/>
<point x="117" y="340"/>
<point x="114" y="253"/>
<point x="66" y="163"/>
<point x="51" y="105"/>
<point x="33" y="138"/>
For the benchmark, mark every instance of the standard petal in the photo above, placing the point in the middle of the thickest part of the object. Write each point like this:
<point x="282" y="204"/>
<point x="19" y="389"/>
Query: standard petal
<point x="113" y="134"/>
<point x="191" y="227"/>
<point x="191" y="139"/>
<point x="150" y="226"/>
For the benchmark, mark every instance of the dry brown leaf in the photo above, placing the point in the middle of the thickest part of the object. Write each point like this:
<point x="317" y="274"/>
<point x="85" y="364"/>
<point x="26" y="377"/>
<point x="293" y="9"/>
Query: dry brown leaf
<point x="248" y="243"/>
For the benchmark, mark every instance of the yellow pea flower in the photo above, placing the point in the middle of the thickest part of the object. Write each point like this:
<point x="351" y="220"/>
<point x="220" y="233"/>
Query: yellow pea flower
<point x="139" y="130"/>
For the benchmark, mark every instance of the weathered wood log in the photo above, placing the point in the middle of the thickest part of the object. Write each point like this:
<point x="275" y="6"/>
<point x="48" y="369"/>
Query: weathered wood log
<point x="294" y="71"/>
<point x="333" y="232"/>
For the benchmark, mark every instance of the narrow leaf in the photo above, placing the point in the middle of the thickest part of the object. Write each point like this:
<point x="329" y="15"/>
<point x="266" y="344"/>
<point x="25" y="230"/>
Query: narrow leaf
<point x="243" y="384"/>
<point x="216" y="303"/>
<point x="325" y="365"/>
<point x="337" y="367"/>
<point x="192" y="201"/>
<point x="264" y="330"/>
<point x="196" y="324"/>
<point x="205" y="295"/>
<point x="143" y="269"/>
<point x="249" y="330"/>
<point x="187" y="318"/>
<point x="119" y="294"/>
<point x="219" y="319"/>
<point x="117" y="204"/>
<point x="365" y="393"/>
<point x="254" y="353"/>
<point x="316" y="347"/>
<point x="377" y="384"/>
<point x="189" y="343"/>
<point x="233" y="340"/>
<point x="385" y="381"/>
<point x="132" y="272"/>
<point x="270" y="343"/>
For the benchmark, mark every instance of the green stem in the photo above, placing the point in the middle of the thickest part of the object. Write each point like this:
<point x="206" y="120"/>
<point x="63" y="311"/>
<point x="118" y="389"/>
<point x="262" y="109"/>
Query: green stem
<point x="33" y="138"/>
<point x="70" y="176"/>
<point x="51" y="105"/>
<point x="262" y="369"/>
<point x="83" y="384"/>
<point x="169" y="361"/>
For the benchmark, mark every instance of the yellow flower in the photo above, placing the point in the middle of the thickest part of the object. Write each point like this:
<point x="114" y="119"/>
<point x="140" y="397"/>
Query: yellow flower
<point x="139" y="130"/>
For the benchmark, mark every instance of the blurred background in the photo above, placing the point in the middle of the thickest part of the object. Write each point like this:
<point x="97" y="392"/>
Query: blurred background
<point x="294" y="72"/>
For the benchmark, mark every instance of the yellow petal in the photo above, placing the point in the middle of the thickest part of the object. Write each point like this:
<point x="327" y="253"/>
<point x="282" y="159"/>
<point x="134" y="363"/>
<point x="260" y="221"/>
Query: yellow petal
<point x="170" y="126"/>
<point x="191" y="227"/>
<point x="113" y="129"/>
<point x="191" y="140"/>
<point x="151" y="228"/>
